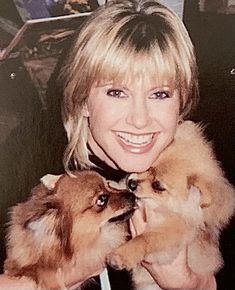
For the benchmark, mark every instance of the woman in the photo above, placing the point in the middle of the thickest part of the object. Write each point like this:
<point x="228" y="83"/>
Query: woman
<point x="129" y="80"/>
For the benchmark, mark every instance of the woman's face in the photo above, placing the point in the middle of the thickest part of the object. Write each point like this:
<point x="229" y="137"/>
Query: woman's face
<point x="129" y="125"/>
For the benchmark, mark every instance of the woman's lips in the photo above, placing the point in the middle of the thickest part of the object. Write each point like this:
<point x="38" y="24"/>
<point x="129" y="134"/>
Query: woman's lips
<point x="137" y="144"/>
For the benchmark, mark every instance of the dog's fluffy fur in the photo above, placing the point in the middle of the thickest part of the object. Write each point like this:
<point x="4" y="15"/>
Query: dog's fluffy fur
<point x="76" y="220"/>
<point x="186" y="216"/>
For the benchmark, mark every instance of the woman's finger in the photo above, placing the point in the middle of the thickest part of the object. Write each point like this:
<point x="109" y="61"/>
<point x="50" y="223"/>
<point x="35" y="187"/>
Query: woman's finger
<point x="178" y="269"/>
<point x="132" y="229"/>
<point x="138" y="221"/>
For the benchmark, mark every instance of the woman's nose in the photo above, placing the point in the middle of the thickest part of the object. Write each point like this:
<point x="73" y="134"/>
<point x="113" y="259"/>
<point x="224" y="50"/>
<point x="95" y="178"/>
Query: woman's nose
<point x="138" y="115"/>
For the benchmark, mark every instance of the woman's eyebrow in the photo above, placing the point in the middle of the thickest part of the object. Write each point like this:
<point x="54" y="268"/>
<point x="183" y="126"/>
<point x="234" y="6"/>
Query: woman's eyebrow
<point x="102" y="85"/>
<point x="161" y="87"/>
<point x="113" y="85"/>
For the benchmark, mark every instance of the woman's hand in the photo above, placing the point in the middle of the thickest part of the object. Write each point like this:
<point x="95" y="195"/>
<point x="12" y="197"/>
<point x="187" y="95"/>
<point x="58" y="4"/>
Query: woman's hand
<point x="176" y="275"/>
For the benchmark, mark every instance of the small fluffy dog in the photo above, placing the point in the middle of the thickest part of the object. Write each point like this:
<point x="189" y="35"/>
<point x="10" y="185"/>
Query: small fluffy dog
<point x="76" y="220"/>
<point x="186" y="216"/>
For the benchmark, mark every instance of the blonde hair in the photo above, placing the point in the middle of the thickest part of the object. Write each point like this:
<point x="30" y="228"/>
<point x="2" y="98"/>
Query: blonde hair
<point x="120" y="41"/>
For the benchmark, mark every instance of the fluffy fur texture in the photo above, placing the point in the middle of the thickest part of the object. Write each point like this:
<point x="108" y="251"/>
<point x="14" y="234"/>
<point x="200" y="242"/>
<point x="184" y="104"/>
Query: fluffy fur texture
<point x="186" y="216"/>
<point x="67" y="220"/>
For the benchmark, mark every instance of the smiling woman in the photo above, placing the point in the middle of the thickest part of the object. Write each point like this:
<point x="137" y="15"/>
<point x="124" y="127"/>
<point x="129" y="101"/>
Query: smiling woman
<point x="136" y="75"/>
<point x="130" y="125"/>
<point x="130" y="79"/>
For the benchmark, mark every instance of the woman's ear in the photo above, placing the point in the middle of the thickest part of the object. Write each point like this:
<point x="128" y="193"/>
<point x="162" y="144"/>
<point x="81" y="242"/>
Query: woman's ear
<point x="85" y="111"/>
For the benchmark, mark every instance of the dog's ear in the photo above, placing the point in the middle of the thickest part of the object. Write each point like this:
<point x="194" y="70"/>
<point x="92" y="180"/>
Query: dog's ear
<point x="51" y="226"/>
<point x="50" y="180"/>
<point x="217" y="198"/>
<point x="56" y="220"/>
<point x="204" y="188"/>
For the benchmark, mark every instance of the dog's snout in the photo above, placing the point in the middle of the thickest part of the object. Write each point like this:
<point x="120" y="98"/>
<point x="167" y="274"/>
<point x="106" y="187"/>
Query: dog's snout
<point x="132" y="184"/>
<point x="129" y="196"/>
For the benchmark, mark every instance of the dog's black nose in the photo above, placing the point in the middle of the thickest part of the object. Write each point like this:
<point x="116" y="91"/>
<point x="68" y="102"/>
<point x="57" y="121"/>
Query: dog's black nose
<point x="132" y="184"/>
<point x="128" y="196"/>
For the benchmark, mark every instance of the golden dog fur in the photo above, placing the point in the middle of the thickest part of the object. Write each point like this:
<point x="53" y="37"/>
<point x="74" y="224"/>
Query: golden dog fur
<point x="186" y="216"/>
<point x="66" y="221"/>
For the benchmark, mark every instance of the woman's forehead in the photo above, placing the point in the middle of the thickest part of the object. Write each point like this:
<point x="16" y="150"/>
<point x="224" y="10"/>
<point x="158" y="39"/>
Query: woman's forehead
<point x="130" y="79"/>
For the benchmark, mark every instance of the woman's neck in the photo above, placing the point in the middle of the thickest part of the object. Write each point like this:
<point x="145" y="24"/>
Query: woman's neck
<point x="103" y="168"/>
<point x="97" y="151"/>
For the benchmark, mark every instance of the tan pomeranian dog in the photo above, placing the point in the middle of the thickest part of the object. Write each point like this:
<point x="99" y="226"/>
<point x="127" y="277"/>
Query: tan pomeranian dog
<point x="67" y="220"/>
<point x="186" y="216"/>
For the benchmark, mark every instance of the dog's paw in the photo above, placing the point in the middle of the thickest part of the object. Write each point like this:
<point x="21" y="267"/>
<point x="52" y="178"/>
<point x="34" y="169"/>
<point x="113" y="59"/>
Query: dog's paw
<point x="116" y="261"/>
<point x="120" y="261"/>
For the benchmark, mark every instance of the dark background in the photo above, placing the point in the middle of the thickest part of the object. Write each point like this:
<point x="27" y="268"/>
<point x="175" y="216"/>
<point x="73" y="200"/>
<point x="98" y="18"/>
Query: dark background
<point x="213" y="35"/>
<point x="31" y="133"/>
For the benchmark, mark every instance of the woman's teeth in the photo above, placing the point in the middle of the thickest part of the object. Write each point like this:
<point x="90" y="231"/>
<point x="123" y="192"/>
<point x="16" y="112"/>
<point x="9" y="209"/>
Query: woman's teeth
<point x="135" y="140"/>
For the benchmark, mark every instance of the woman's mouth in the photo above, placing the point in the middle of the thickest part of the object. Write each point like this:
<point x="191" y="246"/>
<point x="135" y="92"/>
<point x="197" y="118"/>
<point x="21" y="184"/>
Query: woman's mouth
<point x="135" y="140"/>
<point x="136" y="143"/>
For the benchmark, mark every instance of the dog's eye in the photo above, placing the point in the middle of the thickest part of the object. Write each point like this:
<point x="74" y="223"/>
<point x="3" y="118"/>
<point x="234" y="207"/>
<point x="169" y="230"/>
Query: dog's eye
<point x="132" y="184"/>
<point x="102" y="200"/>
<point x="156" y="185"/>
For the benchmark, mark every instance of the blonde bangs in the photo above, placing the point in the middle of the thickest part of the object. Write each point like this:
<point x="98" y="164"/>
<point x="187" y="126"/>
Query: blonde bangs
<point x="123" y="64"/>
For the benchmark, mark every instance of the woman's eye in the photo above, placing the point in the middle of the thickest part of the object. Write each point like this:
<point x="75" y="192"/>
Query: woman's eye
<point x="116" y="93"/>
<point x="161" y="95"/>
